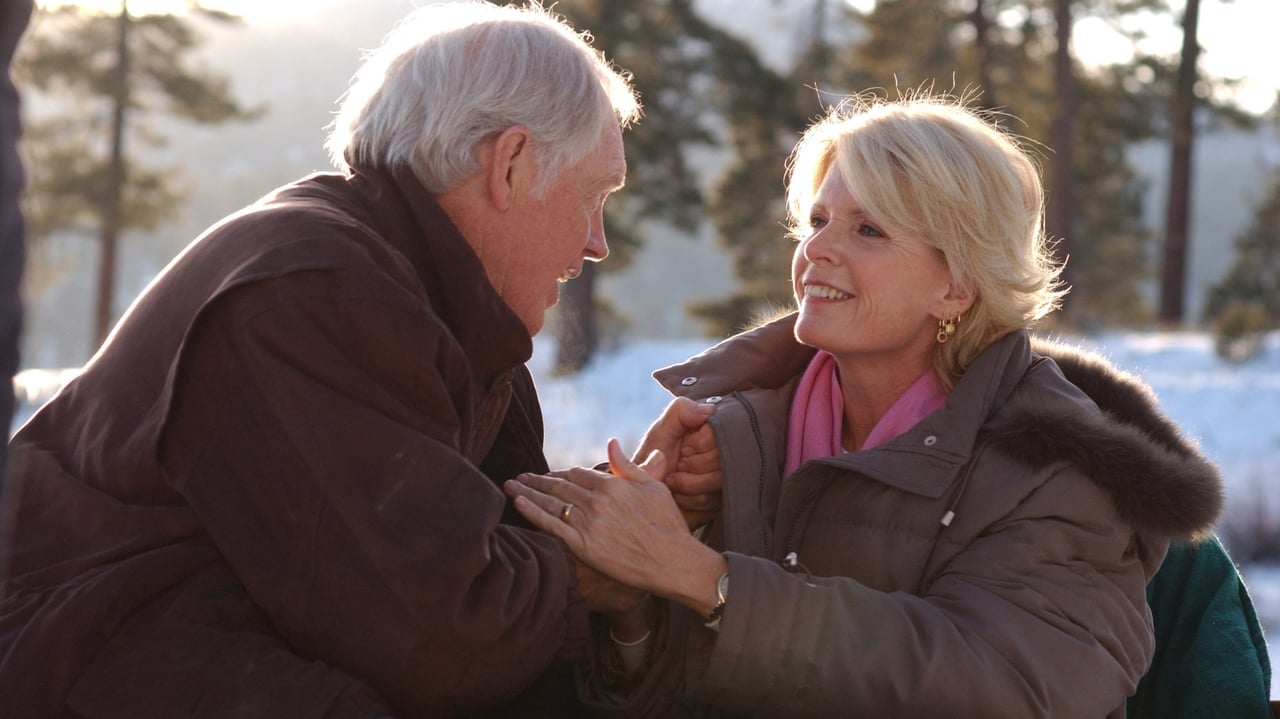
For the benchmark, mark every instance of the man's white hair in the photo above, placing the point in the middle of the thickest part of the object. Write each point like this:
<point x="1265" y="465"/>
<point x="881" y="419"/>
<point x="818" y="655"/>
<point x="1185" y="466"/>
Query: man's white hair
<point x="452" y="75"/>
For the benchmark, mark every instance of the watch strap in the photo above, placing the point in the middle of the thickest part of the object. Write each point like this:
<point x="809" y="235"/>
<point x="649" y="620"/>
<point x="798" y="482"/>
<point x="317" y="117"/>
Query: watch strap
<point x="712" y="620"/>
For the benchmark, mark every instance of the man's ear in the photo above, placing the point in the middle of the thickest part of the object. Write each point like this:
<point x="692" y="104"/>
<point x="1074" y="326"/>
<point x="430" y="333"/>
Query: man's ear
<point x="510" y="169"/>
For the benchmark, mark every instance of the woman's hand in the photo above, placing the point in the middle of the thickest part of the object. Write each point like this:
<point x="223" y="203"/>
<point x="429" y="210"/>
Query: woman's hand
<point x="695" y="481"/>
<point x="625" y="525"/>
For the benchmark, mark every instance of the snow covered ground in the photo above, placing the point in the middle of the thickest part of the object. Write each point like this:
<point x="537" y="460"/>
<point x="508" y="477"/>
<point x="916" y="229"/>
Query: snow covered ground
<point x="1232" y="410"/>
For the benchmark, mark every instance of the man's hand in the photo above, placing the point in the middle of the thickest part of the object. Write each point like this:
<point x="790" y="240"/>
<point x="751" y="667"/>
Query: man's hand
<point x="625" y="525"/>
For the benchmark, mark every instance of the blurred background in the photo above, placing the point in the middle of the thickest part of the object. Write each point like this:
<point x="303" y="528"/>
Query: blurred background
<point x="1155" y="122"/>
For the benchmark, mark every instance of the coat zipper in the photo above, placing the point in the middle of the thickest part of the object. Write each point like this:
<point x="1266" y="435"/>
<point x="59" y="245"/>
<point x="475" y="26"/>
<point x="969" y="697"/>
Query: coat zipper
<point x="799" y="519"/>
<point x="754" y="421"/>
<point x="790" y="555"/>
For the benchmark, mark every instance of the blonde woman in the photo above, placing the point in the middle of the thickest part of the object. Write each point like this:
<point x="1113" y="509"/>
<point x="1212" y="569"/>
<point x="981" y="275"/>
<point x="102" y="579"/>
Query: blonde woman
<point x="922" y="516"/>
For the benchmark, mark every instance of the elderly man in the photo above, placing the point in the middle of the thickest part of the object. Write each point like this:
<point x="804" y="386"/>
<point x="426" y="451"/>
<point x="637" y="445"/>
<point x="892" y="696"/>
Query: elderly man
<point x="270" y="493"/>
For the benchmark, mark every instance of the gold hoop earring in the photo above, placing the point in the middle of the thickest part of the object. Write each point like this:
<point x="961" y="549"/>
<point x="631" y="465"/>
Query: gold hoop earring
<point x="946" y="328"/>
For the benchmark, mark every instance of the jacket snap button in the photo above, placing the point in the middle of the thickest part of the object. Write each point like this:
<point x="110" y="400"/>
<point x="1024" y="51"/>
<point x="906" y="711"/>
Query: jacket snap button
<point x="689" y="381"/>
<point x="713" y="399"/>
<point x="930" y="441"/>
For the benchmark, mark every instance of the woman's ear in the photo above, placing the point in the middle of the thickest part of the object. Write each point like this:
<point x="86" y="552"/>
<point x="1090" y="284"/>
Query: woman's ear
<point x="959" y="298"/>
<point x="509" y="167"/>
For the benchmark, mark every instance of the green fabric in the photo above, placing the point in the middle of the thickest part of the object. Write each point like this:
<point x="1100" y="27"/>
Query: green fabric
<point x="1211" y="658"/>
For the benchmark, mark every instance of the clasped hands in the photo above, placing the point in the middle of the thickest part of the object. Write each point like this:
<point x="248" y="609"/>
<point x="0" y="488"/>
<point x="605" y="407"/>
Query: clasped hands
<point x="632" y="525"/>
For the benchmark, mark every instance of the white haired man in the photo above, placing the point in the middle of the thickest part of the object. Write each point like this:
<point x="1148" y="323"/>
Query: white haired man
<point x="271" y="493"/>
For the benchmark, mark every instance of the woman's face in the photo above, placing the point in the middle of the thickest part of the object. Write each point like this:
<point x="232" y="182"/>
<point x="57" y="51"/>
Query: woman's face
<point x="867" y="292"/>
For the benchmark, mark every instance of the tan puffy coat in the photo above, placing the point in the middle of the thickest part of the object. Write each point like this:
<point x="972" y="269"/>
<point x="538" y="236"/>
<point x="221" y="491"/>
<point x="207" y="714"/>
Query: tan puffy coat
<point x="990" y="562"/>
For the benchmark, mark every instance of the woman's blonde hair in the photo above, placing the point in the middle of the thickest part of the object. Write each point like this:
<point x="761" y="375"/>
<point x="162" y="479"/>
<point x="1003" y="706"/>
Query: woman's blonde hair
<point x="932" y="166"/>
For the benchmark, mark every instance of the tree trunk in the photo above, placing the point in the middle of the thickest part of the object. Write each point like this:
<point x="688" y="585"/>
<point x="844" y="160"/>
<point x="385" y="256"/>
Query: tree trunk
<point x="1173" y="273"/>
<point x="1061" y="201"/>
<point x="576" y="336"/>
<point x="113" y="201"/>
<point x="982" y="46"/>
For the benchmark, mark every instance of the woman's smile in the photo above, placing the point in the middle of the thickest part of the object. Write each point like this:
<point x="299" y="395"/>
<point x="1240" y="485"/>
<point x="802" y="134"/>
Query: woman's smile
<point x="825" y="292"/>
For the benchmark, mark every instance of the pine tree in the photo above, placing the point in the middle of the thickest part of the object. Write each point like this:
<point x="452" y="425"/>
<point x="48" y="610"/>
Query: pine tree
<point x="765" y="119"/>
<point x="1060" y="202"/>
<point x="1246" y="303"/>
<point x="1173" y="275"/>
<point x="688" y="72"/>
<point x="102" y="80"/>
<point x="1110" y="245"/>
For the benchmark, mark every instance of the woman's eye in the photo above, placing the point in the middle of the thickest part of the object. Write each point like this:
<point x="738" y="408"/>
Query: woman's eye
<point x="869" y="230"/>
<point x="816" y="221"/>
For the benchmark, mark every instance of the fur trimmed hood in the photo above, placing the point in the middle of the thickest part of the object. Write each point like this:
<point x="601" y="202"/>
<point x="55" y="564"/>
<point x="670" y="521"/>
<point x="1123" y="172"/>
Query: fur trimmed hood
<point x="1157" y="476"/>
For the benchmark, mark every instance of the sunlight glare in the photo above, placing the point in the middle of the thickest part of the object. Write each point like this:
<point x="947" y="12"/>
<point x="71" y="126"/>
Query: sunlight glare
<point x="253" y="11"/>
<point x="1235" y="34"/>
<point x="1095" y="43"/>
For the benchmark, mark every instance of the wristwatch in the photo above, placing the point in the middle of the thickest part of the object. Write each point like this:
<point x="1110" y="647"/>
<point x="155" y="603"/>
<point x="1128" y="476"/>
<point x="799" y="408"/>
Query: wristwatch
<point x="712" y="620"/>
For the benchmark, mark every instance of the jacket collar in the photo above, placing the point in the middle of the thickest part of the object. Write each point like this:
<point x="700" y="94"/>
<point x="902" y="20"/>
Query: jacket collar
<point x="767" y="357"/>
<point x="408" y="217"/>
<point x="926" y="458"/>
<point x="1069" y="406"/>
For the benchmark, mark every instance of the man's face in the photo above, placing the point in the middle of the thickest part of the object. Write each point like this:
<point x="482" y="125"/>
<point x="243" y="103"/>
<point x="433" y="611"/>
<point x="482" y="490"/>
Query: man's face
<point x="554" y="234"/>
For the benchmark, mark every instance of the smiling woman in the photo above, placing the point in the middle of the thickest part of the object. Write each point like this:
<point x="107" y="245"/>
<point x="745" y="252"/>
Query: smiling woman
<point x="919" y="507"/>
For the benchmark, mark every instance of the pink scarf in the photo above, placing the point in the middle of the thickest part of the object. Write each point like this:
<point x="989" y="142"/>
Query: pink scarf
<point x="817" y="413"/>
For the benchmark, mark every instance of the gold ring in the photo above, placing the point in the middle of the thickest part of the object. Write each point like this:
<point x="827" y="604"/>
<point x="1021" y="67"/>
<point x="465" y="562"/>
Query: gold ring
<point x="564" y="513"/>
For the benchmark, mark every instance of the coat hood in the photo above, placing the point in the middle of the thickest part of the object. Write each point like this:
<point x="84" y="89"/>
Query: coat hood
<point x="1157" y="476"/>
